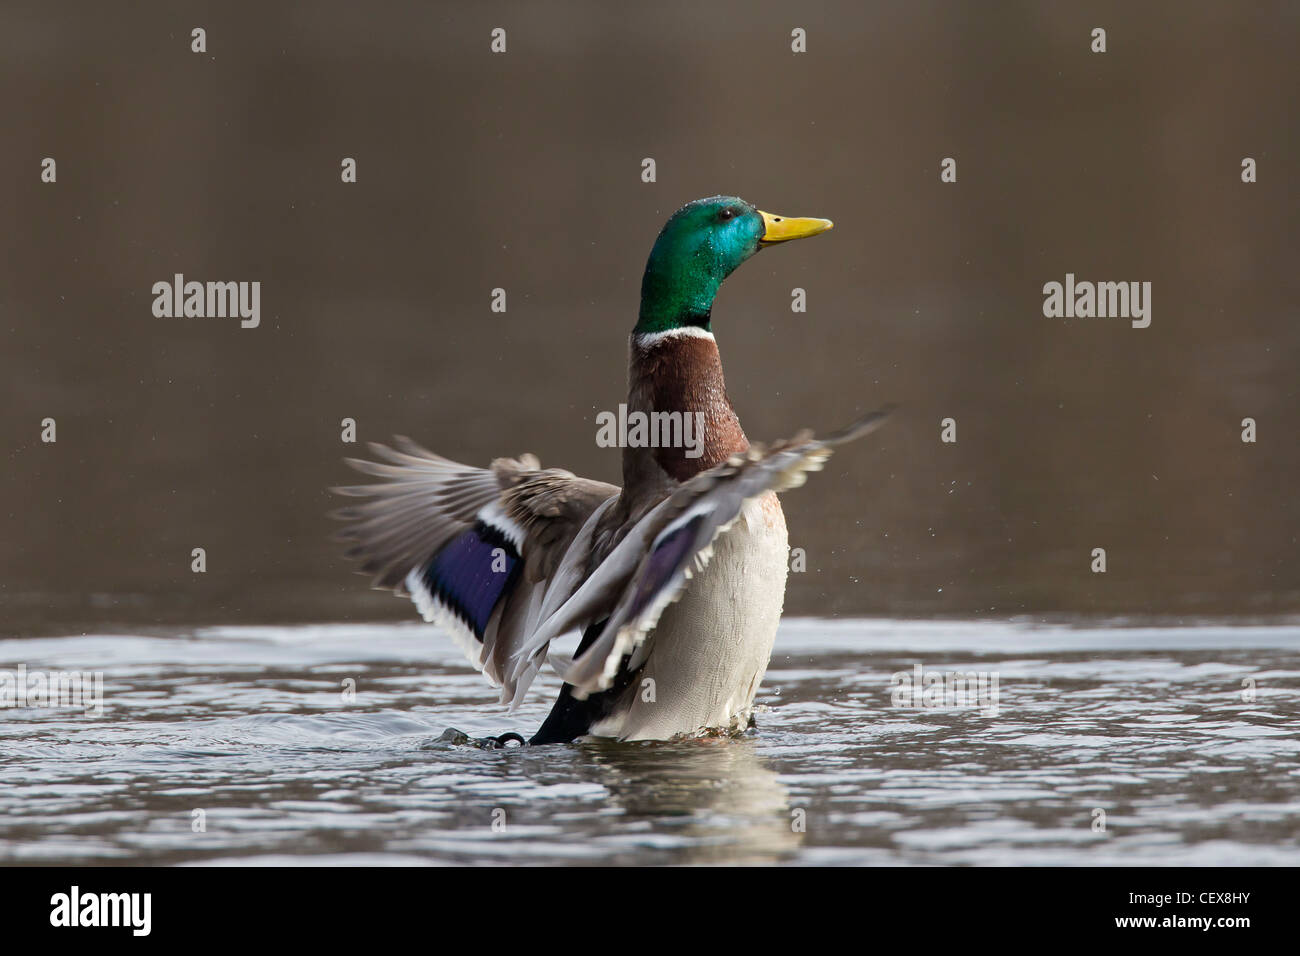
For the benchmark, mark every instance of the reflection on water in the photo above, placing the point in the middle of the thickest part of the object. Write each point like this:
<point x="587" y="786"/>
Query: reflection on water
<point x="708" y="801"/>
<point x="248" y="726"/>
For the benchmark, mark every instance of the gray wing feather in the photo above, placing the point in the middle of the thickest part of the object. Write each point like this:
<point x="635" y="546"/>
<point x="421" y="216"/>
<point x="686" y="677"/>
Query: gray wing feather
<point x="421" y="502"/>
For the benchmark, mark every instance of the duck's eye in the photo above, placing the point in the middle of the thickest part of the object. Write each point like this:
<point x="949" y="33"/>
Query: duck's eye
<point x="726" y="214"/>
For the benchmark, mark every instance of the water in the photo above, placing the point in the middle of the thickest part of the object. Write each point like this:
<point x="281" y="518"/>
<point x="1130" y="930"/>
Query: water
<point x="248" y="726"/>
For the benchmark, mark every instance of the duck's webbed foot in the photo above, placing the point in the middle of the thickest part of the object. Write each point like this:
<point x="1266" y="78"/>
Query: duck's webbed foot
<point x="458" y="738"/>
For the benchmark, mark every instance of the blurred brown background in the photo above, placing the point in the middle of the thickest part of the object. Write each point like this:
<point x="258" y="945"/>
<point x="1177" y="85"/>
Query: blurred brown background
<point x="523" y="171"/>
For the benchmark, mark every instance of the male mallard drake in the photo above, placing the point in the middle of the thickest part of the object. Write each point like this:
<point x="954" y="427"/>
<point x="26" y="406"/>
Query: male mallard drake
<point x="675" y="581"/>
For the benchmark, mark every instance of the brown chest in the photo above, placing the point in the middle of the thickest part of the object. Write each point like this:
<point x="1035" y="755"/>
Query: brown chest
<point x="679" y="378"/>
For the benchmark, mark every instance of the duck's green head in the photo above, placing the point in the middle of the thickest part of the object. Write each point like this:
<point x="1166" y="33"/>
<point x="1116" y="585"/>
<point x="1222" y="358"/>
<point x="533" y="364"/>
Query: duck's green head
<point x="698" y="247"/>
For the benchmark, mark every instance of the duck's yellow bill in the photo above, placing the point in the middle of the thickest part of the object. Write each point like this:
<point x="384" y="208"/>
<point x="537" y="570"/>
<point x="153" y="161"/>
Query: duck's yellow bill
<point x="782" y="228"/>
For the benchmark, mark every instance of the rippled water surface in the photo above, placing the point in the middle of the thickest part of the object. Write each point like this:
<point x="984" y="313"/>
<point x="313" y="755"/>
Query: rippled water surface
<point x="248" y="725"/>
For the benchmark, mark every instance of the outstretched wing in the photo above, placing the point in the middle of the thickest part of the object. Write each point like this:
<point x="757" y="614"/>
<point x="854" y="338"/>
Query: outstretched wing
<point x="476" y="548"/>
<point x="650" y="567"/>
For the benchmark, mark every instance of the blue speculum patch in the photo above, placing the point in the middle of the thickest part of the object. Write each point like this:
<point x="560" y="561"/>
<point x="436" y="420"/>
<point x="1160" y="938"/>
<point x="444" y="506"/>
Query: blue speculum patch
<point x="471" y="573"/>
<point x="663" y="562"/>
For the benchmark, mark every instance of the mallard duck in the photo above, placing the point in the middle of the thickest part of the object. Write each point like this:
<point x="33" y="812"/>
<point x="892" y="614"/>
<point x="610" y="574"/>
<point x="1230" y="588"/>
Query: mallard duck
<point x="675" y="581"/>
